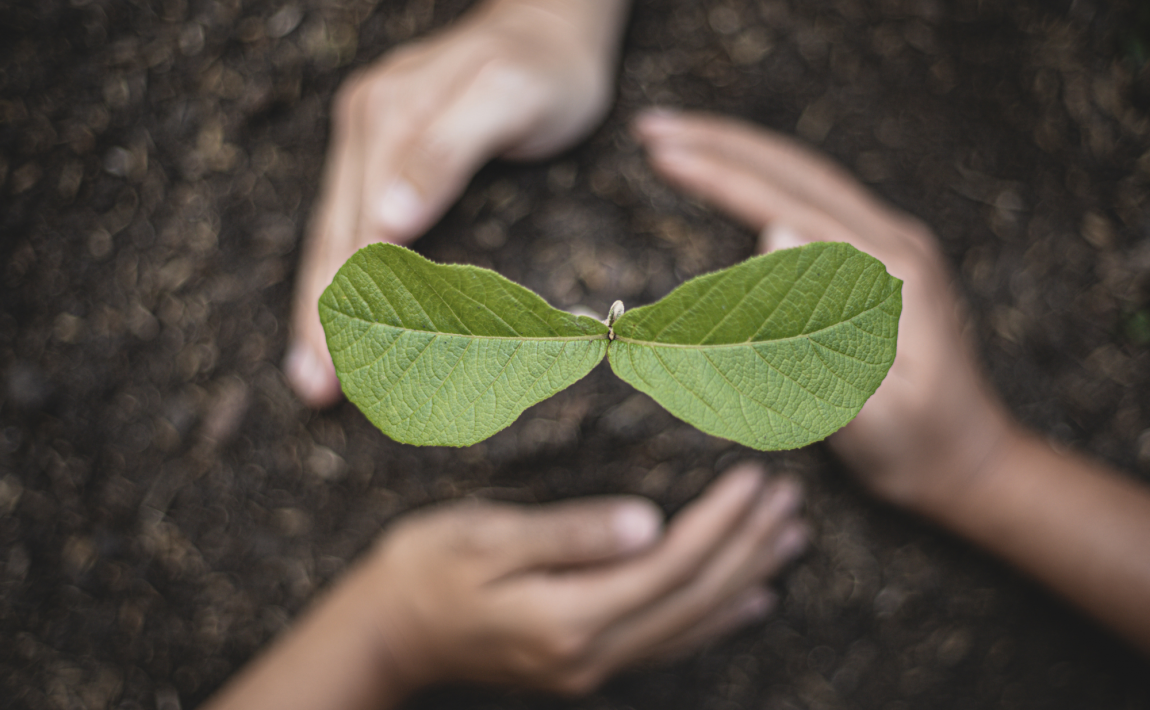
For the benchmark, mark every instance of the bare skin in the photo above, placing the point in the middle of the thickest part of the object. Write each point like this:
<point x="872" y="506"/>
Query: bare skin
<point x="935" y="438"/>
<point x="517" y="79"/>
<point x="551" y="597"/>
<point x="560" y="597"/>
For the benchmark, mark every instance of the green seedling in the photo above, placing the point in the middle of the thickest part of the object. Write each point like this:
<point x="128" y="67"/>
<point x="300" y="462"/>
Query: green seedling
<point x="775" y="353"/>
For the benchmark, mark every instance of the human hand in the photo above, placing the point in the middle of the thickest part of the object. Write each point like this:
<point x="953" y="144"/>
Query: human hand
<point x="558" y="597"/>
<point x="519" y="79"/>
<point x="934" y="422"/>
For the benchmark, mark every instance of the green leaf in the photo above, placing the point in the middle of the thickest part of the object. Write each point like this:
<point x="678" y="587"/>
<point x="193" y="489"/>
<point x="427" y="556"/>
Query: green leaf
<point x="447" y="355"/>
<point x="775" y="353"/>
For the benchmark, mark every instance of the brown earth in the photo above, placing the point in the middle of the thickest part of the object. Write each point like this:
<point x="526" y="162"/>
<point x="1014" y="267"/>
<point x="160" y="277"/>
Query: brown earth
<point x="166" y="505"/>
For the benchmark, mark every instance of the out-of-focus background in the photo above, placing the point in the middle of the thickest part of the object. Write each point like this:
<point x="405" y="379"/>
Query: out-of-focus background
<point x="166" y="505"/>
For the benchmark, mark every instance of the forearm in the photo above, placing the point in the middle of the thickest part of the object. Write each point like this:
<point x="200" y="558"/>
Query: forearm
<point x="1073" y="524"/>
<point x="331" y="658"/>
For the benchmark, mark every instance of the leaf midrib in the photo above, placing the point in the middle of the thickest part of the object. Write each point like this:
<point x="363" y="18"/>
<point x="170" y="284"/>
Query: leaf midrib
<point x="620" y="338"/>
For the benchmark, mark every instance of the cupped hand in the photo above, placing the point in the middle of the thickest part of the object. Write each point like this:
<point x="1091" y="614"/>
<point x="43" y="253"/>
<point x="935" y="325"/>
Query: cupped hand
<point x="558" y="597"/>
<point x="519" y="79"/>
<point x="926" y="432"/>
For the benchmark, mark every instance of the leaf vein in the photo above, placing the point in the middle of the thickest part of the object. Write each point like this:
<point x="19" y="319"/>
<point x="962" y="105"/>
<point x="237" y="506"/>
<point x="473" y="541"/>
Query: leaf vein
<point x="688" y="389"/>
<point x="410" y="293"/>
<point x="381" y="355"/>
<point x="558" y="357"/>
<point x="788" y="377"/>
<point x="379" y="289"/>
<point x="764" y="405"/>
<point x="490" y="384"/>
<point x="455" y="289"/>
<point x="462" y="355"/>
<point x="738" y="396"/>
<point x="822" y="296"/>
<point x="406" y="370"/>
<point x="548" y="339"/>
<point x="718" y="282"/>
<point x="844" y="380"/>
<point x="737" y="306"/>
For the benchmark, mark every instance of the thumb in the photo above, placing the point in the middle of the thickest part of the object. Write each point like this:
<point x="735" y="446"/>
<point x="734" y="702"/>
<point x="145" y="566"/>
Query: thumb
<point x="586" y="531"/>
<point x="405" y="194"/>
<point x="776" y="236"/>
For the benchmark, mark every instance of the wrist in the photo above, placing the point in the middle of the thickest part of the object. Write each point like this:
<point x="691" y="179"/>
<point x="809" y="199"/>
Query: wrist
<point x="398" y="645"/>
<point x="1075" y="525"/>
<point x="331" y="657"/>
<point x="366" y="597"/>
<point x="981" y="476"/>
<point x="965" y="454"/>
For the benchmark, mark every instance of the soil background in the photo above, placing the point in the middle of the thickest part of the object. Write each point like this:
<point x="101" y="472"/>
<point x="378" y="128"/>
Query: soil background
<point x="167" y="506"/>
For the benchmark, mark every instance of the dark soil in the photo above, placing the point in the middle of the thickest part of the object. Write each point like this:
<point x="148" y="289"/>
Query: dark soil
<point x="167" y="506"/>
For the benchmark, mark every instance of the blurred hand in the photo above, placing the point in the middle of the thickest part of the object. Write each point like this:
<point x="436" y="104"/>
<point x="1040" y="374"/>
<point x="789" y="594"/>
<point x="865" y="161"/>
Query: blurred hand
<point x="558" y="597"/>
<point x="934" y="421"/>
<point x="518" y="79"/>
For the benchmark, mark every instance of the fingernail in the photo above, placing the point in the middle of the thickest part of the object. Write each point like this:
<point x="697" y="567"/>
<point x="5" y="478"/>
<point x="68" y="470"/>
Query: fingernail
<point x="748" y="481"/>
<point x="792" y="543"/>
<point x="671" y="156"/>
<point x="784" y="499"/>
<point x="303" y="368"/>
<point x="758" y="605"/>
<point x="780" y="236"/>
<point x="657" y="122"/>
<point x="636" y="526"/>
<point x="401" y="208"/>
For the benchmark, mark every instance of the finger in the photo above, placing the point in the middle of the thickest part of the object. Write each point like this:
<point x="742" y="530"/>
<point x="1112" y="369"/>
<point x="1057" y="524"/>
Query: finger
<point x="575" y="532"/>
<point x="408" y="189"/>
<point x="769" y="538"/>
<point x="599" y="598"/>
<point x="761" y="203"/>
<point x="307" y="363"/>
<point x="781" y="182"/>
<point x="747" y="607"/>
<point x="777" y="235"/>
<point x="808" y="176"/>
<point x="743" y="192"/>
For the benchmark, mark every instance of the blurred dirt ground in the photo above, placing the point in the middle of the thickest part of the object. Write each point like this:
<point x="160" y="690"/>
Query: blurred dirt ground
<point x="166" y="505"/>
